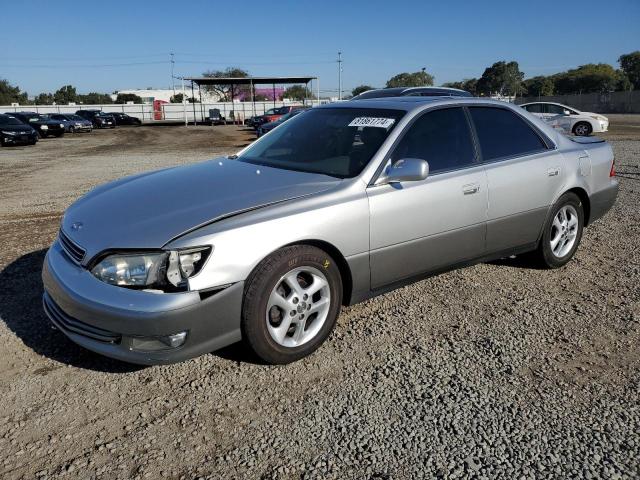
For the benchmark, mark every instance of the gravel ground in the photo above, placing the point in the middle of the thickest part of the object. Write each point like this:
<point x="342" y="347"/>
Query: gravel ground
<point x="494" y="371"/>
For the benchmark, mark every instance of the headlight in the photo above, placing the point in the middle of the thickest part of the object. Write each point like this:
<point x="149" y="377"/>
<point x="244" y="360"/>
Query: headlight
<point x="8" y="133"/>
<point x="167" y="271"/>
<point x="44" y="127"/>
<point x="62" y="125"/>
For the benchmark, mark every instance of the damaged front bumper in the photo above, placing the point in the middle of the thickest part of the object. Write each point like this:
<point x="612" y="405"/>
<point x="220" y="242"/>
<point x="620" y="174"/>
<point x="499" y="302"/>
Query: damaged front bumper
<point x="133" y="325"/>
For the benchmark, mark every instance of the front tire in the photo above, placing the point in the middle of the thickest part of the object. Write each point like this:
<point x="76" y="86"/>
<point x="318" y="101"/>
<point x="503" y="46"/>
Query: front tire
<point x="562" y="232"/>
<point x="582" y="129"/>
<point x="291" y="303"/>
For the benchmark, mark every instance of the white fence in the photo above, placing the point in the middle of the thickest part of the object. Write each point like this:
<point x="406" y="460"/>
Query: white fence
<point x="167" y="112"/>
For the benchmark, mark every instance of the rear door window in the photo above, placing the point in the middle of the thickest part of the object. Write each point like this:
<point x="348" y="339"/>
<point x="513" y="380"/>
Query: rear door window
<point x="535" y="108"/>
<point x="442" y="138"/>
<point x="503" y="134"/>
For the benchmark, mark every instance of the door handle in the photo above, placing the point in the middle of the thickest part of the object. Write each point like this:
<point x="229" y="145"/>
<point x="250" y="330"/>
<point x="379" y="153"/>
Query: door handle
<point x="553" y="172"/>
<point x="471" y="188"/>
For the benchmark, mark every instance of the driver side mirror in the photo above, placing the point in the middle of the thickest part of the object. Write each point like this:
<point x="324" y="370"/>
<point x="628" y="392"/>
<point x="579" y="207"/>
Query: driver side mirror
<point x="407" y="170"/>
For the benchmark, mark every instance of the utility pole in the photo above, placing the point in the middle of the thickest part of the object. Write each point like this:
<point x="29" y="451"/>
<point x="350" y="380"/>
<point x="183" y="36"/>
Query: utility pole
<point x="339" y="75"/>
<point x="173" y="83"/>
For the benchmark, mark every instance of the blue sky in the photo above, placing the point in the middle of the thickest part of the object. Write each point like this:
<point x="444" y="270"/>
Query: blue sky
<point x="104" y="46"/>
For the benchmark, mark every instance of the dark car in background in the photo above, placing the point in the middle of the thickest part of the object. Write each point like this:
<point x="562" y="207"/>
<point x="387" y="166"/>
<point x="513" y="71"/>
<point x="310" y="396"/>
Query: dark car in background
<point x="15" y="132"/>
<point x="412" y="92"/>
<point x="272" y="115"/>
<point x="124" y="119"/>
<point x="216" y="118"/>
<point x="42" y="124"/>
<point x="98" y="118"/>
<point x="72" y="123"/>
<point x="267" y="127"/>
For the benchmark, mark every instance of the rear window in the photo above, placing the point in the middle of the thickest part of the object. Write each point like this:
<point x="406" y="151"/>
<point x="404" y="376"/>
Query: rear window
<point x="503" y="134"/>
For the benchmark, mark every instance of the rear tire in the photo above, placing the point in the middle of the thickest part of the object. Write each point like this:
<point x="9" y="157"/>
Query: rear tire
<point x="582" y="129"/>
<point x="562" y="232"/>
<point x="291" y="303"/>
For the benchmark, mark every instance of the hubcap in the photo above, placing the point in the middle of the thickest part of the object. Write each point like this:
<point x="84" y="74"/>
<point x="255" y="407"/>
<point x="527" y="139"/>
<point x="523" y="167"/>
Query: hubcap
<point x="564" y="231"/>
<point x="298" y="306"/>
<point x="582" y="130"/>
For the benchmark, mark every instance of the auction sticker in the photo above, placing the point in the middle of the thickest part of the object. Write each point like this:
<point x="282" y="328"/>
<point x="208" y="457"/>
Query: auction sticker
<point x="372" y="122"/>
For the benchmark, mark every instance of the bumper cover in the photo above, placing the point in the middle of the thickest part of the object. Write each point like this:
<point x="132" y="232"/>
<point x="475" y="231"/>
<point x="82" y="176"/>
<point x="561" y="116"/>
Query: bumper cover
<point x="602" y="201"/>
<point x="104" y="318"/>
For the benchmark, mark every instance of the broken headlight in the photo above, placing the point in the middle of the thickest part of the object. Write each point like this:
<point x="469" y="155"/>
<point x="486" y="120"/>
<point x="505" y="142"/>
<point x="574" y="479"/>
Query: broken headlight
<point x="166" y="271"/>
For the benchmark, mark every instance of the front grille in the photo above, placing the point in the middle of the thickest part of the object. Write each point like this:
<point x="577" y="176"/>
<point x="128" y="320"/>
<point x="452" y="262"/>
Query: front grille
<point x="66" y="323"/>
<point x="72" y="249"/>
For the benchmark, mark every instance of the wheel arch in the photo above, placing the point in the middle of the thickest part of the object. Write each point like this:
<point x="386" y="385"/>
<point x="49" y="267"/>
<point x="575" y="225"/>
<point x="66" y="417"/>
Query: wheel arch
<point x="584" y="198"/>
<point x="586" y="205"/>
<point x="341" y="262"/>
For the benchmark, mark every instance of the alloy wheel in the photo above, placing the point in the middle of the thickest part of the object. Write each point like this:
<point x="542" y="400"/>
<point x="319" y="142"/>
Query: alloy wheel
<point x="298" y="306"/>
<point x="564" y="231"/>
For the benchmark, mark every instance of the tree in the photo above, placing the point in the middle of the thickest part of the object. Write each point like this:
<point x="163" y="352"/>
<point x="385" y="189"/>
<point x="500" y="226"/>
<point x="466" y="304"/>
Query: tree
<point x="630" y="65"/>
<point x="177" y="98"/>
<point x="128" y="97"/>
<point x="590" y="78"/>
<point x="10" y="94"/>
<point x="468" y="84"/>
<point x="224" y="91"/>
<point x="94" y="98"/>
<point x="360" y="89"/>
<point x="502" y="78"/>
<point x="43" y="99"/>
<point x="65" y="95"/>
<point x="297" y="92"/>
<point x="539" y="86"/>
<point x="415" y="79"/>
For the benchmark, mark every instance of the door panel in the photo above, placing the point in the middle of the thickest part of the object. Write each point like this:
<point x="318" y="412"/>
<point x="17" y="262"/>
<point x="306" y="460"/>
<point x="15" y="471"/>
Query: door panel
<point x="418" y="227"/>
<point x="520" y="193"/>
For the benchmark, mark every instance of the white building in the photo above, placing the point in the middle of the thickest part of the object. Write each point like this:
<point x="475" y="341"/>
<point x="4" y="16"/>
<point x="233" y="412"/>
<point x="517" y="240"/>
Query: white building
<point x="149" y="95"/>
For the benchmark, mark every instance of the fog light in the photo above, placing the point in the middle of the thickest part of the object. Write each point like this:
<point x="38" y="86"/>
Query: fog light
<point x="155" y="344"/>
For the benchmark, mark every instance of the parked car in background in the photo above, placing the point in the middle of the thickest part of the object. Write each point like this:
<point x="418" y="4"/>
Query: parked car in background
<point x="44" y="126"/>
<point x="267" y="127"/>
<point x="274" y="114"/>
<point x="567" y="118"/>
<point x="328" y="209"/>
<point x="15" y="132"/>
<point x="412" y="92"/>
<point x="216" y="118"/>
<point x="98" y="118"/>
<point x="72" y="123"/>
<point x="124" y="119"/>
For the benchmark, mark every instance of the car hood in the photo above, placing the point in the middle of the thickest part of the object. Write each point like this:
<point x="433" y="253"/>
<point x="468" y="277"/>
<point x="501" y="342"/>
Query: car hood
<point x="149" y="210"/>
<point x="17" y="128"/>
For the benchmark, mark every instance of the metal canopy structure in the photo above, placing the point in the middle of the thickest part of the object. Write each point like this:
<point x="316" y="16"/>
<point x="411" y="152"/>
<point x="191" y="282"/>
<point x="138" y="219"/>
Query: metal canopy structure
<point x="251" y="81"/>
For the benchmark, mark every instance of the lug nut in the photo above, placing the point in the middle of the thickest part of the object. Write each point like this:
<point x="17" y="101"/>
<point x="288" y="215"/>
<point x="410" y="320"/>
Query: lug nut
<point x="302" y="316"/>
<point x="293" y="313"/>
<point x="295" y="300"/>
<point x="305" y="296"/>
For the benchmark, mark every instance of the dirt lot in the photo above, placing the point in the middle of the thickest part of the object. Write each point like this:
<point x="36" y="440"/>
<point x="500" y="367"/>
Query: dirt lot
<point x="495" y="371"/>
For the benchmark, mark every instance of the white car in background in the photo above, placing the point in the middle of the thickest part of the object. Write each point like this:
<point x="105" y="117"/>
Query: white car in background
<point x="568" y="119"/>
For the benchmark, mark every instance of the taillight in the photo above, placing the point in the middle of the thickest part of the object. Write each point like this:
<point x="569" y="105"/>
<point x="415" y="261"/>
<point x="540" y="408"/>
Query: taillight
<point x="612" y="172"/>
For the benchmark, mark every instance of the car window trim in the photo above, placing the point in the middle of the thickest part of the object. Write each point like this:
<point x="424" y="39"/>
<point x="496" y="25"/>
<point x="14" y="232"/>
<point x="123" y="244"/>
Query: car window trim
<point x="392" y="148"/>
<point x="549" y="145"/>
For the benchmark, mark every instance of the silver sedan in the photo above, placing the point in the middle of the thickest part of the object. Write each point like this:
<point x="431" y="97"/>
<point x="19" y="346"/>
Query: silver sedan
<point x="337" y="205"/>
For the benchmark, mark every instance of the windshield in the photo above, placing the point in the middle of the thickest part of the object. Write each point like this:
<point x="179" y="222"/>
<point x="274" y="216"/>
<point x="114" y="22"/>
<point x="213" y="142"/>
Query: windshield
<point x="7" y="120"/>
<point x="333" y="141"/>
<point x="75" y="117"/>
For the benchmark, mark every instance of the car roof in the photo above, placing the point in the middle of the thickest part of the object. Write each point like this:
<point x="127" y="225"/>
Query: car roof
<point x="411" y="103"/>
<point x="415" y="91"/>
<point x="548" y="103"/>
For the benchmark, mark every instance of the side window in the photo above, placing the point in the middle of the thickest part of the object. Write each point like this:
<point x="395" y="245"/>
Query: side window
<point x="554" y="109"/>
<point x="442" y="138"/>
<point x="535" y="108"/>
<point x="502" y="133"/>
